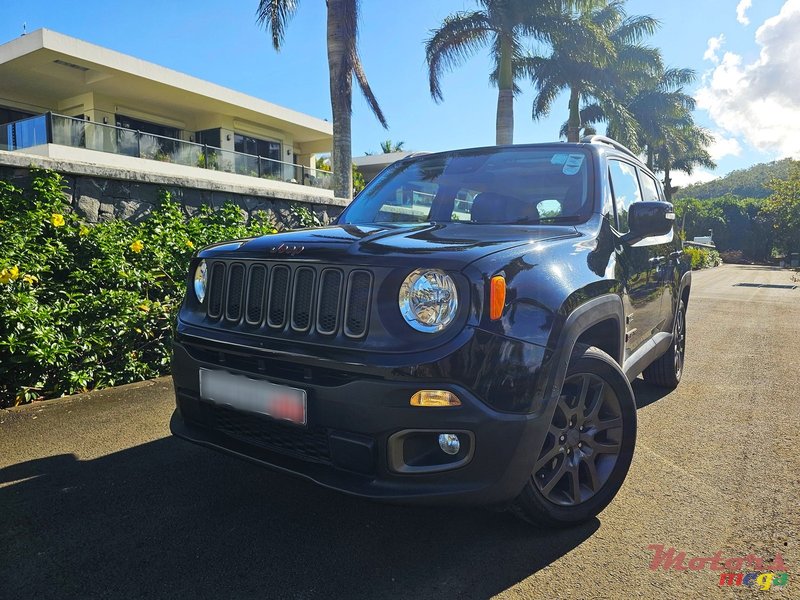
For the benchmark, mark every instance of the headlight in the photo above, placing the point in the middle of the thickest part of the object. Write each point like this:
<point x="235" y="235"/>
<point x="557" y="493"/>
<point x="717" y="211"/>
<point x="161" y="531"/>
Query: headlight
<point x="200" y="279"/>
<point x="428" y="300"/>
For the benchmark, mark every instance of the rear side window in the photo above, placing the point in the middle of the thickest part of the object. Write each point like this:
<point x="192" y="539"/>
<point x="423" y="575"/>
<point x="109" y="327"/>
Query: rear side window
<point x="626" y="190"/>
<point x="649" y="188"/>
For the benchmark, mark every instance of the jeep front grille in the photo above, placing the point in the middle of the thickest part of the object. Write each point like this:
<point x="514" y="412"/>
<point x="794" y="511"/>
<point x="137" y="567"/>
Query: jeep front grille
<point x="280" y="296"/>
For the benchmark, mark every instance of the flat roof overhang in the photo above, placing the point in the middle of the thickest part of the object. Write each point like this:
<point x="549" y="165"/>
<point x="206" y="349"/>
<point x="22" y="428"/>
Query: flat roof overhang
<point x="46" y="67"/>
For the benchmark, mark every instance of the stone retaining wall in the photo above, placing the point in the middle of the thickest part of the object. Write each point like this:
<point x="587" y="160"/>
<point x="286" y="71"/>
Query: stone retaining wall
<point x="100" y="194"/>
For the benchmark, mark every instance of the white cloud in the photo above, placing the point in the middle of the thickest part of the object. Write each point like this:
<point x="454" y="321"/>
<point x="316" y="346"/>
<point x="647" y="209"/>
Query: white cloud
<point x="714" y="44"/>
<point x="722" y="147"/>
<point x="680" y="179"/>
<point x="759" y="102"/>
<point x="741" y="11"/>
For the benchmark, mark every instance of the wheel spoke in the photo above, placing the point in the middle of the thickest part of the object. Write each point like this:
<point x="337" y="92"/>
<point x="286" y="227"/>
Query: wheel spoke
<point x="608" y="424"/>
<point x="557" y="476"/>
<point x="591" y="468"/>
<point x="546" y="458"/>
<point x="565" y="408"/>
<point x="575" y="486"/>
<point x="598" y="403"/>
<point x="604" y="447"/>
<point x="581" y="405"/>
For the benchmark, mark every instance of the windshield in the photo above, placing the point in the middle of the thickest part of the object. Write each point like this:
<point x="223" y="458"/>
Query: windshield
<point x="487" y="186"/>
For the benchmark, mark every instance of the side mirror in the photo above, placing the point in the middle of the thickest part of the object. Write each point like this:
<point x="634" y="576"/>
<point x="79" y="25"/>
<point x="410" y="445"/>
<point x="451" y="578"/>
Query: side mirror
<point x="648" y="219"/>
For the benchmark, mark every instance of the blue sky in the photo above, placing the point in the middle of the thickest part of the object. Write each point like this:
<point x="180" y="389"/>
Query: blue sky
<point x="746" y="86"/>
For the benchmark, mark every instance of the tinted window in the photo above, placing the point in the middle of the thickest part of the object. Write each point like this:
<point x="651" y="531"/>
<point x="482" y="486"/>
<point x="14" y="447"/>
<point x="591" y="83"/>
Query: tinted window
<point x="649" y="188"/>
<point x="490" y="186"/>
<point x="626" y="190"/>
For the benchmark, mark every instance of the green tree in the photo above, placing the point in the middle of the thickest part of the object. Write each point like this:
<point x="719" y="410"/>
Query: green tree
<point x="504" y="26"/>
<point x="387" y="146"/>
<point x="594" y="53"/>
<point x="343" y="63"/>
<point x="684" y="149"/>
<point x="783" y="206"/>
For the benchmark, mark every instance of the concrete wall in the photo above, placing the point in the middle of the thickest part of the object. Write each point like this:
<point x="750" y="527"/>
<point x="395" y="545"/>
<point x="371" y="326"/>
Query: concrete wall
<point x="102" y="193"/>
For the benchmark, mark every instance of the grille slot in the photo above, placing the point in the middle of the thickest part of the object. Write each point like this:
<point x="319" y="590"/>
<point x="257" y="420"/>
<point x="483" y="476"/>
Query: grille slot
<point x="255" y="294"/>
<point x="359" y="288"/>
<point x="216" y="286"/>
<point x="328" y="304"/>
<point x="278" y="296"/>
<point x="233" y="304"/>
<point x="302" y="298"/>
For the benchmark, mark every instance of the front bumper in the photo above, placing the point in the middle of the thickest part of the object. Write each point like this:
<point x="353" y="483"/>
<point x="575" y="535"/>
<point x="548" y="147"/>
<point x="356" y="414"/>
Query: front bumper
<point x="357" y="428"/>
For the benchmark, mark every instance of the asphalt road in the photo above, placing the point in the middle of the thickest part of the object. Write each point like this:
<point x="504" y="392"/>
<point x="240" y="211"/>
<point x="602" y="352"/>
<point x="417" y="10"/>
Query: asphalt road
<point x="97" y="500"/>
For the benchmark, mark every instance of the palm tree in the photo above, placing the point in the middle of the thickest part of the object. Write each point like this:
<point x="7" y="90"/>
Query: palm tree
<point x="663" y="127"/>
<point x="388" y="146"/>
<point x="503" y="25"/>
<point x="594" y="54"/>
<point x="683" y="149"/>
<point x="343" y="64"/>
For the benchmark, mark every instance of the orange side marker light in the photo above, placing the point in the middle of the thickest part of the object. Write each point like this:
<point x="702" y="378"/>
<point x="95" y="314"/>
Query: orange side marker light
<point x="497" y="297"/>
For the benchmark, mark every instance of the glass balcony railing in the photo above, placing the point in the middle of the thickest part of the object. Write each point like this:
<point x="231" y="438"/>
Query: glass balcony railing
<point x="78" y="133"/>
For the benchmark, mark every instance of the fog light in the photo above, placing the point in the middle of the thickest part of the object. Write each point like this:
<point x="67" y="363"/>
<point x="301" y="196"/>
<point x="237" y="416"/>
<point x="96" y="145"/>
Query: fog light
<point x="435" y="398"/>
<point x="449" y="443"/>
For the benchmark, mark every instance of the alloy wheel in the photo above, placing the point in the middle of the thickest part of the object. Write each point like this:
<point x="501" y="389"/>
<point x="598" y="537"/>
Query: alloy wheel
<point x="583" y="442"/>
<point x="680" y="341"/>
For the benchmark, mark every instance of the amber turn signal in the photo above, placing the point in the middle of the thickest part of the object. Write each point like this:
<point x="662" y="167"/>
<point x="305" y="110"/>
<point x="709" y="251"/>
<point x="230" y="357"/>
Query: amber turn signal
<point x="435" y="398"/>
<point x="497" y="297"/>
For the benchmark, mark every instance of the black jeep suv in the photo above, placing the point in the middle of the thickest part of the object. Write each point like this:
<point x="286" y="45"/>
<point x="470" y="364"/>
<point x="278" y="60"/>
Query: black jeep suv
<point x="465" y="333"/>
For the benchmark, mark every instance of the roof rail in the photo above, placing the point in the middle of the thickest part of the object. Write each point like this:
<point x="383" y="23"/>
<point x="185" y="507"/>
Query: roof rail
<point x="601" y="139"/>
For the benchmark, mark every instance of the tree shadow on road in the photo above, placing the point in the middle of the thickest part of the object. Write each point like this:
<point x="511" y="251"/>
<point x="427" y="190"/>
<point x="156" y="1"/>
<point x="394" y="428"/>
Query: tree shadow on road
<point x="167" y="519"/>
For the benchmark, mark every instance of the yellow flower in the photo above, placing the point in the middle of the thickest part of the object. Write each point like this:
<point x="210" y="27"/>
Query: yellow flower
<point x="84" y="231"/>
<point x="30" y="279"/>
<point x="137" y="246"/>
<point x="7" y="275"/>
<point x="189" y="244"/>
<point x="57" y="220"/>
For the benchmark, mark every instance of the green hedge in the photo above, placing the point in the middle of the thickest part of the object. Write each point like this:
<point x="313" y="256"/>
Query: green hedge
<point x="702" y="258"/>
<point x="86" y="306"/>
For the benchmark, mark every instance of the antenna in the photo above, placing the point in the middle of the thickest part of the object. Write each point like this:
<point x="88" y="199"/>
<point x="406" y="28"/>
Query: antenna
<point x="24" y="28"/>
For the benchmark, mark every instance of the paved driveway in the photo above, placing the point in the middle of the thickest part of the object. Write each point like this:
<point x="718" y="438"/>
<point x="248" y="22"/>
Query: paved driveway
<point x="97" y="500"/>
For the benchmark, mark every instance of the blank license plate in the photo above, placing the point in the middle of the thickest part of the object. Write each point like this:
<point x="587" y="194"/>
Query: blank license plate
<point x="254" y="396"/>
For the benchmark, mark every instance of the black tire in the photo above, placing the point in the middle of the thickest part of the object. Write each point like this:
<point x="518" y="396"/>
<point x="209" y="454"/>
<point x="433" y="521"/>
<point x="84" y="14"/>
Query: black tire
<point x="603" y="415"/>
<point x="666" y="371"/>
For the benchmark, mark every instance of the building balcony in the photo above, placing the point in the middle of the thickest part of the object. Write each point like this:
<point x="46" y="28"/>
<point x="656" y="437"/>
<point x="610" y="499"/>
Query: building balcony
<point x="39" y="131"/>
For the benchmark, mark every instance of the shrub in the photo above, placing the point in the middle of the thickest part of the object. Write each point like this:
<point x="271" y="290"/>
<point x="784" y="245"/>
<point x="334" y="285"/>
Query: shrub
<point x="703" y="258"/>
<point x="92" y="306"/>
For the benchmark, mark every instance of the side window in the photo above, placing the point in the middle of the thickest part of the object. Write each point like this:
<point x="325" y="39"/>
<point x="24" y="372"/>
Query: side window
<point x="649" y="188"/>
<point x="626" y="190"/>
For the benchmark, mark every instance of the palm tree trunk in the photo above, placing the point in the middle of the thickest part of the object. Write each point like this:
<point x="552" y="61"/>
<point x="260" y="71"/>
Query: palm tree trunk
<point x="505" y="96"/>
<point x="667" y="181"/>
<point x="341" y="86"/>
<point x="574" y="125"/>
<point x="650" y="157"/>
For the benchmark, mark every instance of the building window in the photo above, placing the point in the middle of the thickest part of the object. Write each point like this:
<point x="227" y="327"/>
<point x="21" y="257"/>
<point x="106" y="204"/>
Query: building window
<point x="9" y="115"/>
<point x="263" y="148"/>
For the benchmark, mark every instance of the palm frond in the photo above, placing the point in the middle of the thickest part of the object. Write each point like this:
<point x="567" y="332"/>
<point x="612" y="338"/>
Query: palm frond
<point x="366" y="90"/>
<point x="635" y="29"/>
<point x="460" y="35"/>
<point x="274" y="15"/>
<point x="677" y="78"/>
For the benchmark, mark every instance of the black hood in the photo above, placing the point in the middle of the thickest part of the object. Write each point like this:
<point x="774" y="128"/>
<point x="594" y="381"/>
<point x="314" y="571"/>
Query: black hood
<point x="448" y="245"/>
